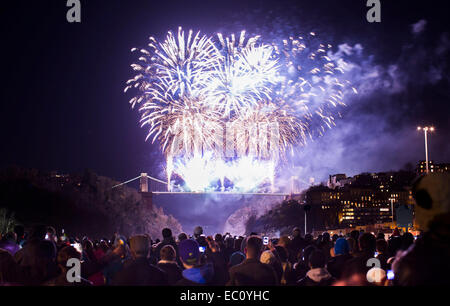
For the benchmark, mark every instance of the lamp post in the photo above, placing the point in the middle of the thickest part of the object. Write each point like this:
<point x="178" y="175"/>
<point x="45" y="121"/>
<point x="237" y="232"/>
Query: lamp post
<point x="306" y="208"/>
<point x="425" y="131"/>
<point x="392" y="209"/>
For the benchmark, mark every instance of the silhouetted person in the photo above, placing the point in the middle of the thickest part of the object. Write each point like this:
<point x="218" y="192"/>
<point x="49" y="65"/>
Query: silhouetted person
<point x="64" y="255"/>
<point x="197" y="273"/>
<point x="341" y="256"/>
<point x="137" y="271"/>
<point x="251" y="272"/>
<point x="167" y="240"/>
<point x="318" y="274"/>
<point x="427" y="261"/>
<point x="169" y="265"/>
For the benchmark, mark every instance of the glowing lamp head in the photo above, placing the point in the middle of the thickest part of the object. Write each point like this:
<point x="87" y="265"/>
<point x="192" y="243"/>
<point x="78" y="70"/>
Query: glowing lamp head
<point x="419" y="128"/>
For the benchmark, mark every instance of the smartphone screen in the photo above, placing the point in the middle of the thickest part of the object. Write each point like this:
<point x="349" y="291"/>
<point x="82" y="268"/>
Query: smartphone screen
<point x="390" y="274"/>
<point x="202" y="249"/>
<point x="266" y="240"/>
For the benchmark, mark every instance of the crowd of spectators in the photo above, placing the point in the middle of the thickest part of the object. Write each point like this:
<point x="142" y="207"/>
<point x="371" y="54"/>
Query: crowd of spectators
<point x="39" y="256"/>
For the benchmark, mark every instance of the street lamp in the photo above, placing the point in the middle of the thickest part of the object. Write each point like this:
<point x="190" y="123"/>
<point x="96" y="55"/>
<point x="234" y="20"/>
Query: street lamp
<point x="306" y="208"/>
<point x="425" y="132"/>
<point x="392" y="209"/>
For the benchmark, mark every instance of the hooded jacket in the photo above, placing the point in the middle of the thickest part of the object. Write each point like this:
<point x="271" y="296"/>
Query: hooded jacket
<point x="198" y="276"/>
<point x="317" y="277"/>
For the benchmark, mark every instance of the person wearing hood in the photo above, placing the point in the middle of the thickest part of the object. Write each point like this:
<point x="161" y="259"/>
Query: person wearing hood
<point x="341" y="255"/>
<point x="137" y="270"/>
<point x="168" y="239"/>
<point x="195" y="273"/>
<point x="169" y="265"/>
<point x="318" y="275"/>
<point x="426" y="261"/>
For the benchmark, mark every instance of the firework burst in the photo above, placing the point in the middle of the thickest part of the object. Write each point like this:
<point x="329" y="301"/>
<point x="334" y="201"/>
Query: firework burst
<point x="217" y="105"/>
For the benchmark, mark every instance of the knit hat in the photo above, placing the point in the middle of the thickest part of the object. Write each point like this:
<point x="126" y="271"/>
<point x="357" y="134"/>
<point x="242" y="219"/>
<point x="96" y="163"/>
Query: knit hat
<point x="341" y="246"/>
<point x="189" y="251"/>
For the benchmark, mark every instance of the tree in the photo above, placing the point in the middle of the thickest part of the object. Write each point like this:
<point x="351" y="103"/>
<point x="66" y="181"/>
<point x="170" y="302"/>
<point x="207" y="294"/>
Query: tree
<point x="7" y="221"/>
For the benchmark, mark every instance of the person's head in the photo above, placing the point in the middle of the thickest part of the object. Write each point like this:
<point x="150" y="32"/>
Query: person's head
<point x="167" y="252"/>
<point x="182" y="237"/>
<point x="229" y="242"/>
<point x="253" y="247"/>
<point x="284" y="241"/>
<point x="189" y="253"/>
<point x="51" y="233"/>
<point x="236" y="258"/>
<point x="355" y="235"/>
<point x="198" y="231"/>
<point x="306" y="252"/>
<point x="394" y="245"/>
<point x="367" y="243"/>
<point x="382" y="246"/>
<point x="407" y="240"/>
<point x="325" y="237"/>
<point x="65" y="254"/>
<point x="218" y="238"/>
<point x="166" y="233"/>
<point x="352" y="245"/>
<point x="87" y="245"/>
<point x="308" y="238"/>
<point x="335" y="237"/>
<point x="296" y="232"/>
<point x="237" y="243"/>
<point x="104" y="245"/>
<point x="42" y="261"/>
<point x="20" y="231"/>
<point x="282" y="253"/>
<point x="139" y="246"/>
<point x="380" y="235"/>
<point x="317" y="259"/>
<point x="38" y="231"/>
<point x="341" y="247"/>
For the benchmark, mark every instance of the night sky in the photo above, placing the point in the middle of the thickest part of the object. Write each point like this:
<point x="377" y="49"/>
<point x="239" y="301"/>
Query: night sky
<point x="63" y="106"/>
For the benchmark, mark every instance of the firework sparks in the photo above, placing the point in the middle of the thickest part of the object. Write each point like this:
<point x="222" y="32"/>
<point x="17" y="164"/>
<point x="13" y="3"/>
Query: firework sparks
<point x="231" y="107"/>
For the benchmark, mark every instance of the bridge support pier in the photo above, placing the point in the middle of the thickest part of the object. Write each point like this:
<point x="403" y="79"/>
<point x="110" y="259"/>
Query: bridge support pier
<point x="147" y="199"/>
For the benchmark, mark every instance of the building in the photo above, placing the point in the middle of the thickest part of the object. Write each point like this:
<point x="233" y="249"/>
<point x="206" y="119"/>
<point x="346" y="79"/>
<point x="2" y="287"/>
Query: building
<point x="365" y="199"/>
<point x="422" y="167"/>
<point x="338" y="180"/>
<point x="432" y="167"/>
<point x="444" y="167"/>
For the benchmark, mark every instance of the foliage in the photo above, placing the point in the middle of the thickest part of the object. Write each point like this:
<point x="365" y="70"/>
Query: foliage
<point x="7" y="221"/>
